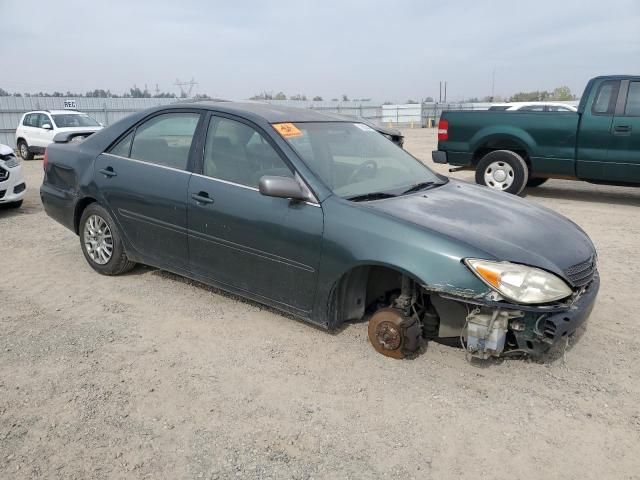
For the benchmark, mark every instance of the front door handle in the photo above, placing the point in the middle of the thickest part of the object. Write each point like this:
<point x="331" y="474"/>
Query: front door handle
<point x="622" y="129"/>
<point x="107" y="172"/>
<point x="202" y="198"/>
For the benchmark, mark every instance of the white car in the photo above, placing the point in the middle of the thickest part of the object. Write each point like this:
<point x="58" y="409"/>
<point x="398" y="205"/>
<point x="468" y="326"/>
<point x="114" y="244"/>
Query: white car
<point x="37" y="129"/>
<point x="12" y="184"/>
<point x="533" y="107"/>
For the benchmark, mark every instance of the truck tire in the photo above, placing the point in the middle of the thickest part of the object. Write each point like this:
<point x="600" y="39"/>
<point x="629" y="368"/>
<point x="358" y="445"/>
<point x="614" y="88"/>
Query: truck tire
<point x="535" y="181"/>
<point x="503" y="170"/>
<point x="23" y="149"/>
<point x="101" y="242"/>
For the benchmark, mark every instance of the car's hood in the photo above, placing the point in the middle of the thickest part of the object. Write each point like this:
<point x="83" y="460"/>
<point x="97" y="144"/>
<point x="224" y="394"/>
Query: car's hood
<point x="5" y="150"/>
<point x="504" y="226"/>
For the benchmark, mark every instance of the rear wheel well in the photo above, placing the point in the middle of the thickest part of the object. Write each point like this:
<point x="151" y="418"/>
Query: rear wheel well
<point x="492" y="146"/>
<point x="80" y="207"/>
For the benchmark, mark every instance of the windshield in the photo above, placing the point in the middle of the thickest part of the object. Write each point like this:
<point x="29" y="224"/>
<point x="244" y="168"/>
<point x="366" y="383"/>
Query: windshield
<point x="354" y="160"/>
<point x="66" y="120"/>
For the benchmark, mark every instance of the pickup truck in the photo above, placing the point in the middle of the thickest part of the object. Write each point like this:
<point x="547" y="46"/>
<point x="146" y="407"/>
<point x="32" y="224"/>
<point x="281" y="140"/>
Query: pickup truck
<point x="511" y="150"/>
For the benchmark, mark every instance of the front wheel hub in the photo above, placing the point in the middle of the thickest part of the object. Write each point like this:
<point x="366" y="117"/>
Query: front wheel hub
<point x="394" y="335"/>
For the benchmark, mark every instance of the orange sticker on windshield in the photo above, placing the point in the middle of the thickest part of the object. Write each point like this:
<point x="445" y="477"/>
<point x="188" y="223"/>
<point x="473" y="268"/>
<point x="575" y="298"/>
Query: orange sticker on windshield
<point x="287" y="130"/>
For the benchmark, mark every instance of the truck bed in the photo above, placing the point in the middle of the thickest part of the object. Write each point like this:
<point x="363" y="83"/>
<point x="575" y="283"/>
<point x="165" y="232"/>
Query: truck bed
<point x="548" y="137"/>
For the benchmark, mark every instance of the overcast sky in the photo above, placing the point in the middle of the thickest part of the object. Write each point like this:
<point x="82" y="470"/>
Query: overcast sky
<point x="391" y="50"/>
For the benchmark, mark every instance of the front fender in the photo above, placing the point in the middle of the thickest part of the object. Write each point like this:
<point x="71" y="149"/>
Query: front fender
<point x="355" y="236"/>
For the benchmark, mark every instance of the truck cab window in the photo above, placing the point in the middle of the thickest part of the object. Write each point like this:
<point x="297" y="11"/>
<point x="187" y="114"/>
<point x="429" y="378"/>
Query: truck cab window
<point x="606" y="97"/>
<point x="632" y="109"/>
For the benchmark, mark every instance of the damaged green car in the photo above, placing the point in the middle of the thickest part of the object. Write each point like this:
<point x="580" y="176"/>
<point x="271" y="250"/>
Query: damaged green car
<point x="324" y="218"/>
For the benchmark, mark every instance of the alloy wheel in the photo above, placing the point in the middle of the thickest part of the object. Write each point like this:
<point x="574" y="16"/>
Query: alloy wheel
<point x="98" y="240"/>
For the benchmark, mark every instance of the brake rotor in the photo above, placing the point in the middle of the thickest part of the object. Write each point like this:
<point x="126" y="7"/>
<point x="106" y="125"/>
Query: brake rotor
<point x="387" y="332"/>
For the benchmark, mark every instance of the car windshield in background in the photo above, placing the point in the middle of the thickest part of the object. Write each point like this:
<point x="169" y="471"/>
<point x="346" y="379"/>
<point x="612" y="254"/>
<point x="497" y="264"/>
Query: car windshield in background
<point x="68" y="120"/>
<point x="355" y="161"/>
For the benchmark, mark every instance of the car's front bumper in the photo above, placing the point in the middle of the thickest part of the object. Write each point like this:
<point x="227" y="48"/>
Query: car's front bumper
<point x="14" y="188"/>
<point x="551" y="328"/>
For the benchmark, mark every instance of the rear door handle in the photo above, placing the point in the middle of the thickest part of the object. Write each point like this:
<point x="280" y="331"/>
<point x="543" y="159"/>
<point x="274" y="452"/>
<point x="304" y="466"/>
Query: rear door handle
<point x="622" y="128"/>
<point x="202" y="197"/>
<point x="108" y="172"/>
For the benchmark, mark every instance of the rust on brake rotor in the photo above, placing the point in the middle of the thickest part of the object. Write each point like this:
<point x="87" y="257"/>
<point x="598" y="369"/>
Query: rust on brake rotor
<point x="386" y="332"/>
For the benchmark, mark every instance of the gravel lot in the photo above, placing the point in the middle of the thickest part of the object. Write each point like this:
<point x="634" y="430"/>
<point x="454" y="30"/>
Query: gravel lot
<point x="149" y="375"/>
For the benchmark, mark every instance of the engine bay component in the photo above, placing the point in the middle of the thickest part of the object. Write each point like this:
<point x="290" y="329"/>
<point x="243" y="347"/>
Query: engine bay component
<point x="486" y="331"/>
<point x="394" y="334"/>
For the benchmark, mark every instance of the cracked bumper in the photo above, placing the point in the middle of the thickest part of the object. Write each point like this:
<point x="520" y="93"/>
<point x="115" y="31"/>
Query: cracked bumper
<point x="549" y="329"/>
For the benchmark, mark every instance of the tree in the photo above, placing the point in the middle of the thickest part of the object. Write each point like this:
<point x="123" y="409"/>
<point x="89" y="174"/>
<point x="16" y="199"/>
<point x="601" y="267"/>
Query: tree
<point x="298" y="97"/>
<point x="411" y="101"/>
<point x="3" y="93"/>
<point x="428" y="100"/>
<point x="345" y="98"/>
<point x="562" y="93"/>
<point x="334" y="99"/>
<point x="135" y="92"/>
<point x="537" y="96"/>
<point x="317" y="98"/>
<point x="280" y="96"/>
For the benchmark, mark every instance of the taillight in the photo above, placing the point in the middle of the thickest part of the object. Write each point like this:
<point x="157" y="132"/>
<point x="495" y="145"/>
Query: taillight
<point x="45" y="160"/>
<point x="443" y="130"/>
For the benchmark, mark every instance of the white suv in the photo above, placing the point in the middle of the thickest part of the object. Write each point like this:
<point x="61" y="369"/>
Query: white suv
<point x="37" y="129"/>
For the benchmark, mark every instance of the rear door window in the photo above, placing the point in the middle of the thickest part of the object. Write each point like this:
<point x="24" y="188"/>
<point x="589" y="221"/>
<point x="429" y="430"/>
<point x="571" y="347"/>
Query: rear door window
<point x="163" y="140"/>
<point x="632" y="108"/>
<point x="532" y="108"/>
<point x="605" y="101"/>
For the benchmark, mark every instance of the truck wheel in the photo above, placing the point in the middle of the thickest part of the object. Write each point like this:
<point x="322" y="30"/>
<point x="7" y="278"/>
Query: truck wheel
<point x="503" y="170"/>
<point x="536" y="182"/>
<point x="101" y="242"/>
<point x="23" y="148"/>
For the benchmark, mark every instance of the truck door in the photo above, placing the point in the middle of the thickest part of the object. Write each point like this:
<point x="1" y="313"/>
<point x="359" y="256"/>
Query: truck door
<point x="594" y="135"/>
<point x="624" y="149"/>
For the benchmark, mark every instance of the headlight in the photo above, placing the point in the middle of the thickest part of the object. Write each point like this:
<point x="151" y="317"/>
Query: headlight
<point x="520" y="283"/>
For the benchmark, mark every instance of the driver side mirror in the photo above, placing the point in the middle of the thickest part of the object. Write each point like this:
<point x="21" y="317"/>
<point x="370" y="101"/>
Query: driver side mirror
<point x="47" y="126"/>
<point x="281" y="187"/>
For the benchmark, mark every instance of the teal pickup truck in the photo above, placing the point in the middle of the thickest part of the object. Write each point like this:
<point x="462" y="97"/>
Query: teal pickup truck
<point x="510" y="150"/>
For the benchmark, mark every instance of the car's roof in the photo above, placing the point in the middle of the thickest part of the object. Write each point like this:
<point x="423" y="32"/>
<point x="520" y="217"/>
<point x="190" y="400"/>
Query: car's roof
<point x="57" y="112"/>
<point x="266" y="111"/>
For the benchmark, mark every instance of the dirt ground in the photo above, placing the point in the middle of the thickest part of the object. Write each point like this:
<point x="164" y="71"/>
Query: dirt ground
<point x="149" y="375"/>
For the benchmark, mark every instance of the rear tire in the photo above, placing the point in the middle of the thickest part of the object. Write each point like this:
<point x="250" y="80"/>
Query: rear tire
<point x="503" y="170"/>
<point x="23" y="149"/>
<point x="536" y="182"/>
<point x="101" y="242"/>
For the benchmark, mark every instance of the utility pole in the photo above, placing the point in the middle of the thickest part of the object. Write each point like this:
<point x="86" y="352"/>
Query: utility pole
<point x="184" y="93"/>
<point x="493" y="84"/>
<point x="445" y="92"/>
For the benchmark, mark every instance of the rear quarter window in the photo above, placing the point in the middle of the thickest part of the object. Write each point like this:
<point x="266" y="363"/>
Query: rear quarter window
<point x="605" y="100"/>
<point x="632" y="108"/>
